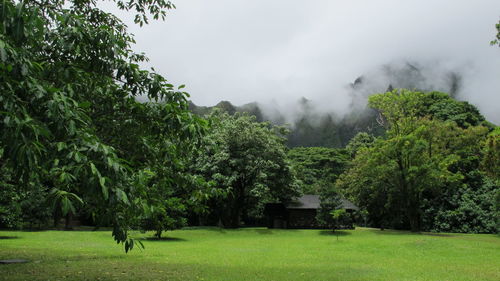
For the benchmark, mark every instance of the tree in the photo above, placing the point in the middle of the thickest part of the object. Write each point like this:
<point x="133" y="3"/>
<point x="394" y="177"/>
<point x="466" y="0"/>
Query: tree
<point x="490" y="163"/>
<point x="497" y="39"/>
<point x="169" y="215"/>
<point x="68" y="83"/>
<point x="317" y="168"/>
<point x="421" y="158"/>
<point x="359" y="141"/>
<point x="443" y="107"/>
<point x="246" y="162"/>
<point x="330" y="201"/>
<point x="491" y="154"/>
<point x="339" y="216"/>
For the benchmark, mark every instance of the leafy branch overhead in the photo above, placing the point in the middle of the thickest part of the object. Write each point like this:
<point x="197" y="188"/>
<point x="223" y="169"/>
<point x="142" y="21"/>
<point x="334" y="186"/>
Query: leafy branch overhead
<point x="67" y="99"/>
<point x="496" y="41"/>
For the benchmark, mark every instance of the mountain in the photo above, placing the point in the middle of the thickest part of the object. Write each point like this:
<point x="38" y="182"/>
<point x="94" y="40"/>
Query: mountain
<point x="311" y="127"/>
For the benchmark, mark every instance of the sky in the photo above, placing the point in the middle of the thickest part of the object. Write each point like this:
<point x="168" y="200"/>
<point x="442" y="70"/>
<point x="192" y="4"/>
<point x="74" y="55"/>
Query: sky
<point x="277" y="51"/>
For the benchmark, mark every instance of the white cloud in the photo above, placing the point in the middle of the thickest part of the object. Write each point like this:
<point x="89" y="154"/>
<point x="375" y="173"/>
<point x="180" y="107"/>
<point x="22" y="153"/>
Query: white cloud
<point x="281" y="50"/>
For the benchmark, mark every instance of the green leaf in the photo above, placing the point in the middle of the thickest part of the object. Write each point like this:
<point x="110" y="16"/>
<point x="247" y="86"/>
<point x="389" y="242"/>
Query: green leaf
<point x="85" y="105"/>
<point x="3" y="53"/>
<point x="94" y="170"/>
<point x="104" y="189"/>
<point x="122" y="195"/>
<point x="6" y="120"/>
<point x="65" y="205"/>
<point x="61" y="146"/>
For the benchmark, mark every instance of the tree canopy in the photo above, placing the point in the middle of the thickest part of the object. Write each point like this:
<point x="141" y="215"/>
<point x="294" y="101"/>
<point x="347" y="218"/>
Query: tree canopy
<point x="317" y="167"/>
<point x="70" y="121"/>
<point x="246" y="162"/>
<point x="426" y="166"/>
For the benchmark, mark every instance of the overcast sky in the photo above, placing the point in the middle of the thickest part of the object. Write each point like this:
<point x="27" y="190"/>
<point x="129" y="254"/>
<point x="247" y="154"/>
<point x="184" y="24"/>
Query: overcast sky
<point x="281" y="50"/>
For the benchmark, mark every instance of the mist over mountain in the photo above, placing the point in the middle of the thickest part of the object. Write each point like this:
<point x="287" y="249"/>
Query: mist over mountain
<point x="221" y="52"/>
<point x="320" y="123"/>
<point x="310" y="128"/>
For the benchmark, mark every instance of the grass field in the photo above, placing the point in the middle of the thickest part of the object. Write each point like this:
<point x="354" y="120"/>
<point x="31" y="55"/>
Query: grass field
<point x="253" y="254"/>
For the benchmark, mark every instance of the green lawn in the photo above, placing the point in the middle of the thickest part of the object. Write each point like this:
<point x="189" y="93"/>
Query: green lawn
<point x="253" y="254"/>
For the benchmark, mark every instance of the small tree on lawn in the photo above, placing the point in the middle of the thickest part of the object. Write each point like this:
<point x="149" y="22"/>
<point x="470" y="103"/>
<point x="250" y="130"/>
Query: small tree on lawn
<point x="330" y="200"/>
<point x="338" y="216"/>
<point x="167" y="216"/>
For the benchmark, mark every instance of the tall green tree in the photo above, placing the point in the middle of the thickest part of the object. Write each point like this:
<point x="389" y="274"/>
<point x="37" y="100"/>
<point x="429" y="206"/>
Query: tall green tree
<point x="490" y="163"/>
<point x="330" y="201"/>
<point x="68" y="82"/>
<point x="421" y="158"/>
<point x="359" y="141"/>
<point x="246" y="162"/>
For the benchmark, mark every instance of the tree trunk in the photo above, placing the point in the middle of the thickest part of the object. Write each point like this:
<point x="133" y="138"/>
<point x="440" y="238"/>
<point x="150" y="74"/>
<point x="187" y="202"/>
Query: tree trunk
<point x="235" y="219"/>
<point x="414" y="212"/>
<point x="414" y="219"/>
<point x="234" y="215"/>
<point x="236" y="202"/>
<point x="68" y="220"/>
<point x="56" y="219"/>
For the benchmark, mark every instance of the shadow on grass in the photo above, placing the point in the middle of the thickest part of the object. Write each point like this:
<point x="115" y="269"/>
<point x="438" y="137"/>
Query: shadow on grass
<point x="438" y="234"/>
<point x="35" y="230"/>
<point x="120" y="268"/>
<point x="9" y="237"/>
<point x="407" y="232"/>
<point x="393" y="232"/>
<point x="334" y="233"/>
<point x="163" y="239"/>
<point x="75" y="229"/>
<point x="264" y="231"/>
<point x="208" y="228"/>
<point x="92" y="228"/>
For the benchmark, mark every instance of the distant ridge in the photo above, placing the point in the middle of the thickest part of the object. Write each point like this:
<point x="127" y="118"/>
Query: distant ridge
<point x="311" y="128"/>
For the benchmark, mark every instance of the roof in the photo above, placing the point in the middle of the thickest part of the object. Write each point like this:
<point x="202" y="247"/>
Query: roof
<point x="305" y="202"/>
<point x="348" y="205"/>
<point x="310" y="201"/>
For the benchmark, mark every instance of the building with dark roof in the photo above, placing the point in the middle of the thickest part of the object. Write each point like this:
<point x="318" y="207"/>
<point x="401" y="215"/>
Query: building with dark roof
<point x="300" y="213"/>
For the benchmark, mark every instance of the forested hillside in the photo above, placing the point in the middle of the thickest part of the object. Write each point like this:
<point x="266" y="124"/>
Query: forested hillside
<point x="311" y="126"/>
<point x="426" y="161"/>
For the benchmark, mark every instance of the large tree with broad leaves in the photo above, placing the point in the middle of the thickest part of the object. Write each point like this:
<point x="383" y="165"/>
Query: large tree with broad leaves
<point x="425" y="173"/>
<point x="245" y="162"/>
<point x="69" y="119"/>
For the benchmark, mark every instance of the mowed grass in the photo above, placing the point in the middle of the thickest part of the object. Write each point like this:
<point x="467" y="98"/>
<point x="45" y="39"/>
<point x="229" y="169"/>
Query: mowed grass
<point x="253" y="254"/>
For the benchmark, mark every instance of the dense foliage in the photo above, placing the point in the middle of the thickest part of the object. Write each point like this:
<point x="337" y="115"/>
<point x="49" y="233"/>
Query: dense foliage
<point x="70" y="123"/>
<point x="359" y="141"/>
<point x="425" y="174"/>
<point x="309" y="128"/>
<point x="317" y="167"/>
<point x="330" y="201"/>
<point x="246" y="162"/>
